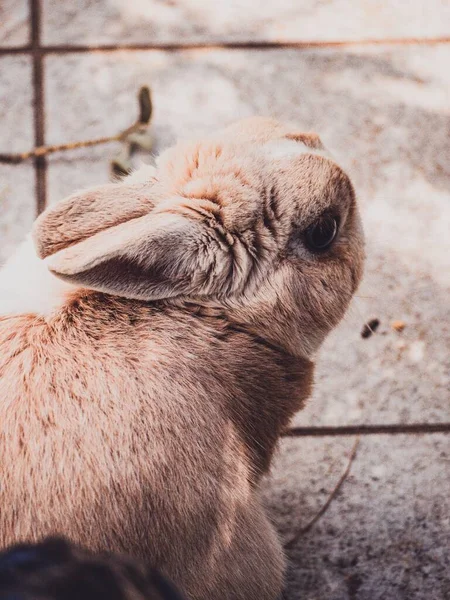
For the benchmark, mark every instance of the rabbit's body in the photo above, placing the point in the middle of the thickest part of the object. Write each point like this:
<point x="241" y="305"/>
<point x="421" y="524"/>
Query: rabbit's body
<point x="104" y="459"/>
<point x="143" y="423"/>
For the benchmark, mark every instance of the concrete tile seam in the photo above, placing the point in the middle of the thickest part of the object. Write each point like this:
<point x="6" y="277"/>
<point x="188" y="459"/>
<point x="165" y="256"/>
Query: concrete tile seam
<point x="393" y="429"/>
<point x="40" y="162"/>
<point x="250" y="45"/>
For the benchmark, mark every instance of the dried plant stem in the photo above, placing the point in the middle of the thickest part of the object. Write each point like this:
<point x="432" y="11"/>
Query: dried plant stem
<point x="292" y="542"/>
<point x="145" y="113"/>
<point x="45" y="150"/>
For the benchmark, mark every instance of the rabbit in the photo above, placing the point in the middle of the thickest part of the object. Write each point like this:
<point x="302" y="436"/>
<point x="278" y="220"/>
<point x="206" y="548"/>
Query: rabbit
<point x="157" y="335"/>
<point x="55" y="569"/>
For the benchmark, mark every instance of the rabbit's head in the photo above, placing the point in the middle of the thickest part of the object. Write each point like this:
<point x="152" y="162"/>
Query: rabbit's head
<point x="257" y="221"/>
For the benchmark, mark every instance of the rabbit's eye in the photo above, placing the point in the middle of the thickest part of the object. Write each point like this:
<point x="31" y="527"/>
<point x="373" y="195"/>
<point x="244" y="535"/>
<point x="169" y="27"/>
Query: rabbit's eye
<point x="320" y="235"/>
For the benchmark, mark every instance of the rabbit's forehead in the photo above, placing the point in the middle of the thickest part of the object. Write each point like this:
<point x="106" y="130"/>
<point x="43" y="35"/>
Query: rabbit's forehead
<point x="307" y="181"/>
<point x="237" y="174"/>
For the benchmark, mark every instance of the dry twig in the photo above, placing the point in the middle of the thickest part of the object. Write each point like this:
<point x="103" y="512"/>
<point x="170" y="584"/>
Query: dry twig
<point x="129" y="135"/>
<point x="292" y="542"/>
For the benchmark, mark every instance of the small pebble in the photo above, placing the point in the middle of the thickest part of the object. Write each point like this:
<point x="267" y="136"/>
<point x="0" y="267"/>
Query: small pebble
<point x="398" y="325"/>
<point x="369" y="328"/>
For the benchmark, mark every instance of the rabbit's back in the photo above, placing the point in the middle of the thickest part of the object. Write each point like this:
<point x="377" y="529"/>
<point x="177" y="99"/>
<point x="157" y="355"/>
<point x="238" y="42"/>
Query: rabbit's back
<point x="95" y="419"/>
<point x="121" y="418"/>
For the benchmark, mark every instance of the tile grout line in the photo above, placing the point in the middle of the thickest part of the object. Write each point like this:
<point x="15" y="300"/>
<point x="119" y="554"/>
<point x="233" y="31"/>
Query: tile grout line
<point x="40" y="162"/>
<point x="392" y="429"/>
<point x="261" y="45"/>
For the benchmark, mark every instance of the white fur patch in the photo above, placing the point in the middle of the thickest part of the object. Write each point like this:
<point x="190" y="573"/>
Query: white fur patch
<point x="28" y="287"/>
<point x="143" y="174"/>
<point x="286" y="149"/>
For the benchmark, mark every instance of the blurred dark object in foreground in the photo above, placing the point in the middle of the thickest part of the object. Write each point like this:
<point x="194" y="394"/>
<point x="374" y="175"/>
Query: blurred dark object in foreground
<point x="58" y="570"/>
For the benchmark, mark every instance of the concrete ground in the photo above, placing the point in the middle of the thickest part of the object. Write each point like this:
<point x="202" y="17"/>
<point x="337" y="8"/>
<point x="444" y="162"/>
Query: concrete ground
<point x="373" y="79"/>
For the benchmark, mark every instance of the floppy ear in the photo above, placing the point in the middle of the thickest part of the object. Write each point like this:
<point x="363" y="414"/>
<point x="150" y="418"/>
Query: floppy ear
<point x="82" y="215"/>
<point x="159" y="255"/>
